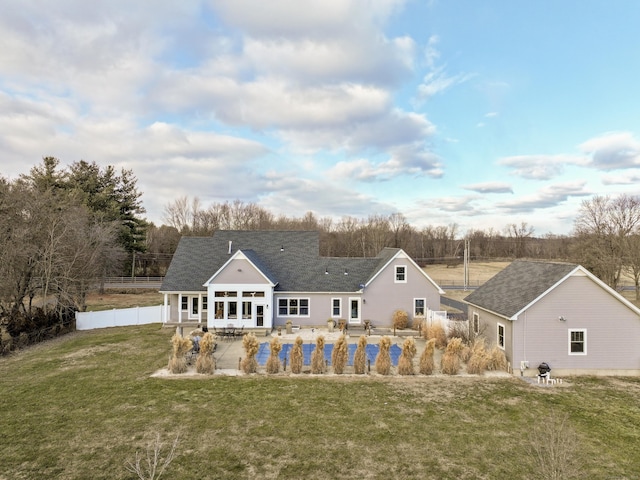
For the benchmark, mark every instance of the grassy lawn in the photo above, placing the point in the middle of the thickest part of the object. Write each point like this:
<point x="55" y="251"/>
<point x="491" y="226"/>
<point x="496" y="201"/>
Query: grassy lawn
<point x="81" y="406"/>
<point x="111" y="299"/>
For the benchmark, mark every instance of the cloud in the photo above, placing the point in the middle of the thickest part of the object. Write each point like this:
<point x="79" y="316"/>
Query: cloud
<point x="438" y="80"/>
<point x="489" y="187"/>
<point x="540" y="167"/>
<point x="547" y="197"/>
<point x="628" y="178"/>
<point x="613" y="151"/>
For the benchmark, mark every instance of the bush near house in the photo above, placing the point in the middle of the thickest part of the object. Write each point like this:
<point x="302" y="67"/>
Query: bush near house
<point x="400" y="319"/>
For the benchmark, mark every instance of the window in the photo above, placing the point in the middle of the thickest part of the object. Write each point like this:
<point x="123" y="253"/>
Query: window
<point x="246" y="310"/>
<point x="194" y="305"/>
<point x="184" y="303"/>
<point x="578" y="342"/>
<point x="418" y="307"/>
<point x="476" y="323"/>
<point x="501" y="336"/>
<point x="293" y="307"/>
<point x="401" y="274"/>
<point x="336" y="307"/>
<point x="205" y="303"/>
<point x="233" y="310"/>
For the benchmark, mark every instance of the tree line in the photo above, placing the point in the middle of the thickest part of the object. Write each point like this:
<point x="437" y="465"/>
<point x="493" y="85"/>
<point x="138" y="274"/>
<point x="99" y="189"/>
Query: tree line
<point x="61" y="230"/>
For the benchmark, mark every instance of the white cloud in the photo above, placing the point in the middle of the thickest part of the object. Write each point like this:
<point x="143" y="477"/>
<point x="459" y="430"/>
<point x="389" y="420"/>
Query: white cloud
<point x="612" y="151"/>
<point x="490" y="187"/>
<point x="540" y="167"/>
<point x="547" y="197"/>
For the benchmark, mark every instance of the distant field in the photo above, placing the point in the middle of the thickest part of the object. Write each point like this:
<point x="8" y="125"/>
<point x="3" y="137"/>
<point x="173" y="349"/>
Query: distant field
<point x="479" y="273"/>
<point x="123" y="299"/>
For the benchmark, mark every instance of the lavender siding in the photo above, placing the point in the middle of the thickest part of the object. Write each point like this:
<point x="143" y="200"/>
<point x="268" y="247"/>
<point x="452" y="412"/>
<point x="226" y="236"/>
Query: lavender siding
<point x="383" y="296"/>
<point x="489" y="330"/>
<point x="239" y="271"/>
<point x="319" y="308"/>
<point x="613" y="329"/>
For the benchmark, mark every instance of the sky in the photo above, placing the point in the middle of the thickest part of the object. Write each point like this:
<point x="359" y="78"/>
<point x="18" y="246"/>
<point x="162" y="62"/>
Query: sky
<point x="474" y="113"/>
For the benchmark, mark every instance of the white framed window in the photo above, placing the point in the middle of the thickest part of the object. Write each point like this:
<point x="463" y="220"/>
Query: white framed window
<point x="578" y="341"/>
<point x="476" y="323"/>
<point x="293" y="307"/>
<point x="205" y="303"/>
<point x="401" y="274"/>
<point x="184" y="303"/>
<point x="500" y="339"/>
<point x="336" y="307"/>
<point x="419" y="306"/>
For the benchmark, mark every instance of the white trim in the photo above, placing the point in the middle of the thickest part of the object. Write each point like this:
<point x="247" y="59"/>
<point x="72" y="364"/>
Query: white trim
<point x="424" y="307"/>
<point x="401" y="254"/>
<point x="475" y="320"/>
<point x="504" y="336"/>
<point x="405" y="274"/>
<point x="584" y="341"/>
<point x="297" y="315"/>
<point x="580" y="271"/>
<point x="357" y="320"/>
<point x="333" y="315"/>
<point x="238" y="256"/>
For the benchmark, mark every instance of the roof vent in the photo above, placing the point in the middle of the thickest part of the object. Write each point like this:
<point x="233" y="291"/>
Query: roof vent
<point x="230" y="242"/>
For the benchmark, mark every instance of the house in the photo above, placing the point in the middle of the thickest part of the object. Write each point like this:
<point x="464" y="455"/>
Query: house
<point x="557" y="313"/>
<point x="262" y="279"/>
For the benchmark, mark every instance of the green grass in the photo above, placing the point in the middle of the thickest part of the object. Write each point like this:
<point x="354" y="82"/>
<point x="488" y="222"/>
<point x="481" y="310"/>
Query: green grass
<point x="81" y="406"/>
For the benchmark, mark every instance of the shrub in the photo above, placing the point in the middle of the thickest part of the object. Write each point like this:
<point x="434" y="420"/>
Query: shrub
<point x="153" y="464"/>
<point x="400" y="319"/>
<point x="360" y="356"/>
<point x="180" y="347"/>
<point x="340" y="355"/>
<point x="383" y="360"/>
<point x="419" y="324"/>
<point x="450" y="364"/>
<point x="318" y="364"/>
<point x="273" y="362"/>
<point x="297" y="356"/>
<point x="497" y="359"/>
<point x="405" y="363"/>
<point x="479" y="359"/>
<point x="251" y="347"/>
<point x="460" y="329"/>
<point x="205" y="362"/>
<point x="426" y="359"/>
<point x="437" y="332"/>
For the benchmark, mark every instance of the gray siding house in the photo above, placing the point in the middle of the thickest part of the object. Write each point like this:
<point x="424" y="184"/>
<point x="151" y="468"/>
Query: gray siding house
<point x="557" y="313"/>
<point x="262" y="279"/>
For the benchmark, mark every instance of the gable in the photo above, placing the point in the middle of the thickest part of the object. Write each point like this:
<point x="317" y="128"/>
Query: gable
<point x="239" y="270"/>
<point x="392" y="257"/>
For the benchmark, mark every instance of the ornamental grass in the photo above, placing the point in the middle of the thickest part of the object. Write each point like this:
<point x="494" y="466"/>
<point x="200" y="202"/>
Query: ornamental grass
<point x="360" y="356"/>
<point x="206" y="363"/>
<point x="405" y="363"/>
<point x="478" y="362"/>
<point x="273" y="362"/>
<point x="450" y="364"/>
<point x="251" y="347"/>
<point x="318" y="364"/>
<point x="427" y="363"/>
<point x="497" y="359"/>
<point x="383" y="360"/>
<point x="180" y="347"/>
<point x="297" y="356"/>
<point x="340" y="355"/>
<point x="436" y="331"/>
<point x="400" y="319"/>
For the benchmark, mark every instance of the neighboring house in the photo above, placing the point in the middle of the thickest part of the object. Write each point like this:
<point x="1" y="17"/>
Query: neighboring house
<point x="261" y="279"/>
<point x="557" y="313"/>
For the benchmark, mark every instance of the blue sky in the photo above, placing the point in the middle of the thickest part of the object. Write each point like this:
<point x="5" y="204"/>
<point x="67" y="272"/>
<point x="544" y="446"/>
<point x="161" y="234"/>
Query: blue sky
<point x="479" y="114"/>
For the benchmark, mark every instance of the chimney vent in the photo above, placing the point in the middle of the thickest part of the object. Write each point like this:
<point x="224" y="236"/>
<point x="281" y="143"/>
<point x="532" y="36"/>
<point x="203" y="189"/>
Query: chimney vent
<point x="230" y="242"/>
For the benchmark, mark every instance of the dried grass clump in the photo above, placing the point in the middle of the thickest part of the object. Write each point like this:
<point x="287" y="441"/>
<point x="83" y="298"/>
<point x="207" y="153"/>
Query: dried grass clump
<point x="180" y="347"/>
<point x="251" y="347"/>
<point x="205" y="362"/>
<point x="497" y="359"/>
<point x="450" y="364"/>
<point x="297" y="356"/>
<point x="460" y="329"/>
<point x="273" y="362"/>
<point x="436" y="331"/>
<point x="478" y="363"/>
<point x="383" y="360"/>
<point x="426" y="359"/>
<point x="400" y="319"/>
<point x="419" y="324"/>
<point x="405" y="363"/>
<point x="340" y="355"/>
<point x="318" y="364"/>
<point x="360" y="356"/>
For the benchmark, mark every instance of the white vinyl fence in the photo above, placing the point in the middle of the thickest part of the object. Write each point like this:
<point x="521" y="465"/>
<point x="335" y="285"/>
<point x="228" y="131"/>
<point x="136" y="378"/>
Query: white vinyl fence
<point x="121" y="317"/>
<point x="440" y="316"/>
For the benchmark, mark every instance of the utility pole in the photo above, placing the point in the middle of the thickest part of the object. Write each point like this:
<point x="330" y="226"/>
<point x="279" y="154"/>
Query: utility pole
<point x="467" y="245"/>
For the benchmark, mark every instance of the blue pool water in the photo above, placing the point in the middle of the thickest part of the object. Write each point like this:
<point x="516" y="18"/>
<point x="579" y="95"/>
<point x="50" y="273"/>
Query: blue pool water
<point x="371" y="351"/>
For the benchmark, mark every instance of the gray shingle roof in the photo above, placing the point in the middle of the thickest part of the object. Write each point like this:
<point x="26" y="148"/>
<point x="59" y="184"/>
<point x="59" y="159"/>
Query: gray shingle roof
<point x="518" y="285"/>
<point x="289" y="258"/>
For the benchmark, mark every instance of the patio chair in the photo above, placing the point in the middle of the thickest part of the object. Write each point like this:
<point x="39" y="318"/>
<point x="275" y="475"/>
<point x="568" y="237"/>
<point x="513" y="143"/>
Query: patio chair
<point x="238" y="333"/>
